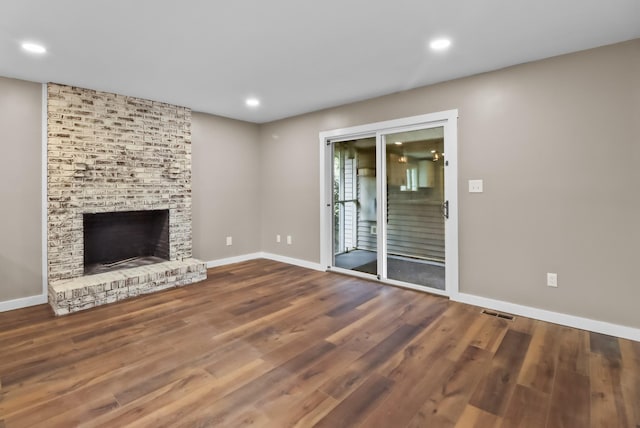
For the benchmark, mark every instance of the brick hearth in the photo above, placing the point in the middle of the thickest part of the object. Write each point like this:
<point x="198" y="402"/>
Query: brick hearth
<point x="76" y="294"/>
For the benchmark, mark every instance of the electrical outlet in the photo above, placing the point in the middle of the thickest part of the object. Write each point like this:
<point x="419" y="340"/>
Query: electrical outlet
<point x="229" y="240"/>
<point x="289" y="239"/>
<point x="277" y="238"/>
<point x="475" y="186"/>
<point x="552" y="279"/>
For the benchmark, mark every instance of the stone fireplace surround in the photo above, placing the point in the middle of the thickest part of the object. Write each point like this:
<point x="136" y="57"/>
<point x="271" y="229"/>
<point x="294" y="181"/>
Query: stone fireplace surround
<point x="105" y="153"/>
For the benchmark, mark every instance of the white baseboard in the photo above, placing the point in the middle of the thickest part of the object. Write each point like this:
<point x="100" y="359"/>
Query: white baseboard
<point x="231" y="260"/>
<point x="552" y="317"/>
<point x="263" y="255"/>
<point x="22" y="302"/>
<point x="296" y="262"/>
<point x="497" y="305"/>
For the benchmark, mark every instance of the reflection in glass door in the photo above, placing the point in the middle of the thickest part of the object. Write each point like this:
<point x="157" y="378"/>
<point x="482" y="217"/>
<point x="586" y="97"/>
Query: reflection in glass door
<point x="355" y="239"/>
<point x="415" y="204"/>
<point x="389" y="201"/>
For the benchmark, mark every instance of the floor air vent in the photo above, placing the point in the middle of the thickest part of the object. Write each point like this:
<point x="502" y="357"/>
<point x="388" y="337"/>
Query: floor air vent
<point x="498" y="315"/>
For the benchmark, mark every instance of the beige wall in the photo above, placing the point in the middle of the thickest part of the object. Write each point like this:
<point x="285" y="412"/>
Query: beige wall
<point x="557" y="143"/>
<point x="539" y="135"/>
<point x="225" y="168"/>
<point x="20" y="189"/>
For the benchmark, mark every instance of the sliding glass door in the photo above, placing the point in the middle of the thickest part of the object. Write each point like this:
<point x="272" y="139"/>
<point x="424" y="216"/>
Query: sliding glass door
<point x="391" y="202"/>
<point x="355" y="238"/>
<point x="413" y="214"/>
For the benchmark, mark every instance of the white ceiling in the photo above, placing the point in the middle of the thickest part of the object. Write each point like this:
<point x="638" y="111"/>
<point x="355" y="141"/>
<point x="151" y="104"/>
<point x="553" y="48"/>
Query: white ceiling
<point x="295" y="55"/>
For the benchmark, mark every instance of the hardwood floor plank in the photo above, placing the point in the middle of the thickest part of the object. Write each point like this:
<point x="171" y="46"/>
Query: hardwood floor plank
<point x="282" y="405"/>
<point x="353" y="303"/>
<point x="163" y="397"/>
<point x="230" y="357"/>
<point x="607" y="408"/>
<point x="378" y="320"/>
<point x="195" y="403"/>
<point x="539" y="366"/>
<point x="573" y="352"/>
<point x="45" y="356"/>
<point x="250" y="417"/>
<point x="76" y="382"/>
<point x="267" y="344"/>
<point x="342" y="385"/>
<point x="494" y="391"/>
<point x="523" y="325"/>
<point x="422" y="394"/>
<point x="527" y="408"/>
<point x="354" y="408"/>
<point x="607" y="346"/>
<point x="472" y="417"/>
<point x="631" y="392"/>
<point x="486" y="333"/>
<point x="421" y="420"/>
<point x="630" y="353"/>
<point x="406" y="398"/>
<point x="319" y="328"/>
<point x="422" y="311"/>
<point x="570" y="401"/>
<point x="149" y="385"/>
<point x="438" y="340"/>
<point x="227" y="408"/>
<point x="314" y="413"/>
<point x="91" y="409"/>
<point x="512" y="351"/>
<point x="63" y="413"/>
<point x="448" y="401"/>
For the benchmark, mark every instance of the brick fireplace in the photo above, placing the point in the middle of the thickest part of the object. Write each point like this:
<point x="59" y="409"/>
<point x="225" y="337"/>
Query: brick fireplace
<point x="124" y="156"/>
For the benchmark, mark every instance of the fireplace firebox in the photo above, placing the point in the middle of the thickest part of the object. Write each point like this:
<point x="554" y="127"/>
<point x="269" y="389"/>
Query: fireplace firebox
<point x="119" y="240"/>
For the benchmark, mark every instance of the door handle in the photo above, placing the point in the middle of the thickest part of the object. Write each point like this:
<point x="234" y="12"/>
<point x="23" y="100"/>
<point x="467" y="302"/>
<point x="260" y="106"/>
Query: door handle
<point x="445" y="209"/>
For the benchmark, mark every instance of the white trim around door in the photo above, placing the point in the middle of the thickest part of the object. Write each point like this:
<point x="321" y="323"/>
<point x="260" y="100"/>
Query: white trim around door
<point x="448" y="120"/>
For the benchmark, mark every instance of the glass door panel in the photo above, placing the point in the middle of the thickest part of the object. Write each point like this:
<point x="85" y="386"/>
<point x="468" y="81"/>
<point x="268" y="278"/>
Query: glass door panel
<point x="415" y="250"/>
<point x="355" y="237"/>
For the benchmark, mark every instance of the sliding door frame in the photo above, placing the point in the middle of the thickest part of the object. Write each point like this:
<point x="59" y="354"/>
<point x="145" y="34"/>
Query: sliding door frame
<point x="448" y="120"/>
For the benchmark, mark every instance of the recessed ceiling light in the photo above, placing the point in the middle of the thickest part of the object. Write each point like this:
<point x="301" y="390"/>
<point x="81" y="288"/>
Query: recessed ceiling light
<point x="398" y="143"/>
<point x="440" y="44"/>
<point x="252" y="102"/>
<point x="33" y="48"/>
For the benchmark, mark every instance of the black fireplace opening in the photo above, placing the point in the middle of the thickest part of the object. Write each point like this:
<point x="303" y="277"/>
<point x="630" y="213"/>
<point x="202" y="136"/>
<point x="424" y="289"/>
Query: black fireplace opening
<point x="124" y="239"/>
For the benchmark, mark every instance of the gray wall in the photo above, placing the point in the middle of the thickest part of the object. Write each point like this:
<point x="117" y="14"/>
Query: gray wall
<point x="226" y="202"/>
<point x="557" y="143"/>
<point x="20" y="189"/>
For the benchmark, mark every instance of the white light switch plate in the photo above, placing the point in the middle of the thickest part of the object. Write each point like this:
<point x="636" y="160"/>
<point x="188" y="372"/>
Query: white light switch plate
<point x="475" y="186"/>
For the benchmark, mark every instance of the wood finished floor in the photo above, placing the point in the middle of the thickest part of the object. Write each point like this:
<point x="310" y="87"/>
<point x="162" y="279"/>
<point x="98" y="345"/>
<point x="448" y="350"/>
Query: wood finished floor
<point x="271" y="345"/>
